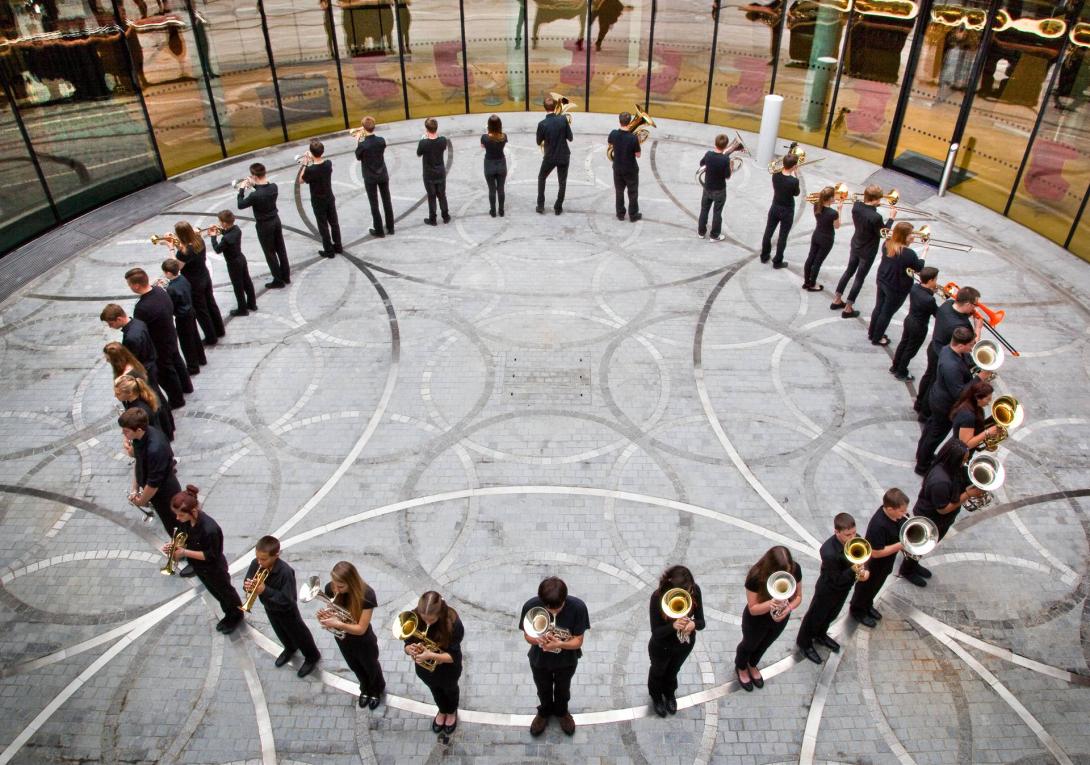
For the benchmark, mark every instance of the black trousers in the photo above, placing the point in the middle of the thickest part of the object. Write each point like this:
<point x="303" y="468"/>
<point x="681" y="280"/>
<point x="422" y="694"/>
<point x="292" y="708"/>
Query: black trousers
<point x="190" y="340"/>
<point x="824" y="608"/>
<point x="437" y="191"/>
<point x="627" y="180"/>
<point x="207" y="312"/>
<point x="325" y="217"/>
<point x="758" y="633"/>
<point x="270" y="234"/>
<point x="943" y="524"/>
<point x="666" y="662"/>
<point x="819" y="250"/>
<point x="360" y="652"/>
<point x="912" y="337"/>
<point x="858" y="265"/>
<point x="782" y="217"/>
<point x="934" y="432"/>
<point x="443" y="684"/>
<point x="711" y="201"/>
<point x="165" y="374"/>
<point x="495" y="183"/>
<point x="218" y="582"/>
<point x="242" y="284"/>
<point x="553" y="689"/>
<point x="180" y="370"/>
<point x="160" y="503"/>
<point x="375" y="189"/>
<point x="865" y="592"/>
<point x="547" y="167"/>
<point x="923" y="403"/>
<point x="293" y="633"/>
<point x="887" y="303"/>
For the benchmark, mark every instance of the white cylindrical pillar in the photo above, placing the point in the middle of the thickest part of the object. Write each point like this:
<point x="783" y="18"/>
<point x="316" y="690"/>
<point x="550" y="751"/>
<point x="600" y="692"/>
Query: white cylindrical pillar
<point x="770" y="127"/>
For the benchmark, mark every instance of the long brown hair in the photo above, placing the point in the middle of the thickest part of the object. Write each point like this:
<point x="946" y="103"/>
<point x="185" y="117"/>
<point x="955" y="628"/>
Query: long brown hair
<point x="345" y="573"/>
<point x="431" y="604"/>
<point x="121" y="358"/>
<point x="969" y="397"/>
<point x="898" y="239"/>
<point x="188" y="237"/>
<point x="133" y="387"/>
<point x="676" y="576"/>
<point x="777" y="558"/>
<point x="495" y="128"/>
<point x="825" y="198"/>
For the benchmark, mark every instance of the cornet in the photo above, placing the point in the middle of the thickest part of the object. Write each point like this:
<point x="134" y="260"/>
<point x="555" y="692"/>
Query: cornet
<point x="918" y="537"/>
<point x="406" y="626"/>
<point x="840" y="194"/>
<point x="858" y="551"/>
<point x="781" y="588"/>
<point x="177" y="542"/>
<point x="540" y="623"/>
<point x="635" y="125"/>
<point x="923" y="234"/>
<point x="242" y="183"/>
<point x="776" y="165"/>
<point x="310" y="590"/>
<point x="259" y="578"/>
<point x="987" y="474"/>
<point x="677" y="603"/>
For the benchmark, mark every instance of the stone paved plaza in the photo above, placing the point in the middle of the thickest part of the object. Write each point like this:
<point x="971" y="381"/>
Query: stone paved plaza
<point x="472" y="407"/>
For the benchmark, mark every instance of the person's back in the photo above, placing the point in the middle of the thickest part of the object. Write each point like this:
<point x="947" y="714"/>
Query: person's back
<point x="432" y="153"/>
<point x="626" y="146"/>
<point x="555" y="132"/>
<point x="716" y="170"/>
<point x="371" y="154"/>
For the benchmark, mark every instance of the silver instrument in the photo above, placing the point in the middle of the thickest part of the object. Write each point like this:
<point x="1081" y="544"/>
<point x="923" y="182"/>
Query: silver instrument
<point x="242" y="183"/>
<point x="987" y="356"/>
<point x="781" y="588"/>
<point x="919" y="535"/>
<point x="539" y="623"/>
<point x="987" y="474"/>
<point x="310" y="590"/>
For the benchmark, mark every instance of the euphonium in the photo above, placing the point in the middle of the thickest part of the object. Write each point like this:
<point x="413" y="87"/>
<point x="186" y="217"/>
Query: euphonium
<point x="987" y="474"/>
<point x="919" y="535"/>
<point x="177" y="542"/>
<point x="407" y="626"/>
<point x="858" y="551"/>
<point x="1007" y="414"/>
<point x="987" y="356"/>
<point x="310" y="590"/>
<point x="776" y="165"/>
<point x="635" y="125"/>
<point x="677" y="603"/>
<point x="539" y="623"/>
<point x="563" y="106"/>
<point x="781" y="587"/>
<point x="259" y="577"/>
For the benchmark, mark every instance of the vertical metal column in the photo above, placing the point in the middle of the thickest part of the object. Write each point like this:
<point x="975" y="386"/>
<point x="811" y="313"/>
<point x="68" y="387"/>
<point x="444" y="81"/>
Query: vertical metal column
<point x="650" y="56"/>
<point x="272" y="68"/>
<point x="401" y="56"/>
<point x="779" y="44"/>
<point x="717" y="7"/>
<point x="337" y="60"/>
<point x="30" y="149"/>
<point x="586" y="90"/>
<point x="202" y="55"/>
<point x="465" y="61"/>
<point x="907" y="79"/>
<point x="525" y="51"/>
<point x="123" y="42"/>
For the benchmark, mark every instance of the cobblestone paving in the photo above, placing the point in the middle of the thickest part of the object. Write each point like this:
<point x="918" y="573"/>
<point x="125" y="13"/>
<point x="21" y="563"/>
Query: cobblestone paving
<point x="475" y="406"/>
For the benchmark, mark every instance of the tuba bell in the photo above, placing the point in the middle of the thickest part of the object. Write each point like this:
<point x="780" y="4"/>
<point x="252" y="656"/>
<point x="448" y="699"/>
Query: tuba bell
<point x="858" y="551"/>
<point x="636" y="125"/>
<point x="406" y="626"/>
<point x="563" y="106"/>
<point x="919" y="535"/>
<point x="677" y="603"/>
<point x="987" y="356"/>
<point x="987" y="474"/>
<point x="781" y="588"/>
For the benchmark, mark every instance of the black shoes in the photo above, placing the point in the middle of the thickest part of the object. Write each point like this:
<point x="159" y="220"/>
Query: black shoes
<point x="828" y="642"/>
<point x="781" y="264"/>
<point x="284" y="658"/>
<point x="874" y="613"/>
<point x="671" y="704"/>
<point x="275" y="284"/>
<point x="865" y="619"/>
<point x="635" y="217"/>
<point x="446" y="219"/>
<point x="540" y="721"/>
<point x="620" y="216"/>
<point x="558" y="209"/>
<point x="325" y="253"/>
<point x="374" y="701"/>
<point x="307" y="668"/>
<point x="237" y="312"/>
<point x="431" y="221"/>
<point x="849" y="314"/>
<point x="540" y="211"/>
<point x="187" y="572"/>
<point x="758" y="682"/>
<point x="811" y="653"/>
<point x="924" y="572"/>
<point x="448" y="729"/>
<point x="365" y="701"/>
<point x="227" y="627"/>
<point x="747" y="685"/>
<point x="492" y="213"/>
<point x="659" y="706"/>
<point x="436" y="727"/>
<point x="917" y="580"/>
<point x="377" y="234"/>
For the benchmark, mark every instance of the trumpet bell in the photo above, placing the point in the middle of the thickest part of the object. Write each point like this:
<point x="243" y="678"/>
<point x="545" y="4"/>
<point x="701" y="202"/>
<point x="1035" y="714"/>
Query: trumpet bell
<point x="857" y="550"/>
<point x="987" y="355"/>
<point x="405" y="625"/>
<point x="676" y="603"/>
<point x="986" y="472"/>
<point x="781" y="586"/>
<point x="919" y="535"/>
<point x="309" y="589"/>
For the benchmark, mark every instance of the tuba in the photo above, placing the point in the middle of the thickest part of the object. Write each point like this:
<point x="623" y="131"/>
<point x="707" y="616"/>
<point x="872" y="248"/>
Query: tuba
<point x="1007" y="414"/>
<point x="858" y="551"/>
<point x="310" y="590"/>
<point x="987" y="474"/>
<point x="407" y="626"/>
<point x="919" y="535"/>
<point x="260" y="576"/>
<point x="636" y="125"/>
<point x="987" y="356"/>
<point x="177" y="542"/>
<point x="781" y="588"/>
<point x="563" y="106"/>
<point x="677" y="603"/>
<point x="539" y="623"/>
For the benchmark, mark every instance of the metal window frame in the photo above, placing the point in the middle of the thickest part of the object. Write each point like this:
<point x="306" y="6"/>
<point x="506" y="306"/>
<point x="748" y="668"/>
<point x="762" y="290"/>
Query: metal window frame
<point x="272" y="68"/>
<point x="202" y="56"/>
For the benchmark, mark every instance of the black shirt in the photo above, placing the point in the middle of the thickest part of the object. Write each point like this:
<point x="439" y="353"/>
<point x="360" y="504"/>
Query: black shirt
<point x="882" y="532"/>
<point x="966" y="417"/>
<point x="156" y="309"/>
<point x="157" y="418"/>
<point x="921" y="304"/>
<point x="572" y="617"/>
<point x="946" y="321"/>
<point x="205" y="536"/>
<point x="663" y="632"/>
<point x="868" y="229"/>
<point x="195" y="266"/>
<point x="319" y="176"/>
<point x="716" y="170"/>
<point x="494" y="159"/>
<point x="555" y="132"/>
<point x="625" y="148"/>
<point x="892" y="270"/>
<point x="369" y="602"/>
<point x="231" y="245"/>
<point x="938" y="490"/>
<point x="825" y="218"/>
<point x="154" y="458"/>
<point x="280" y="592"/>
<point x="784" y="190"/>
<point x="431" y="150"/>
<point x="263" y="200"/>
<point x="836" y="571"/>
<point x="453" y="647"/>
<point x="370" y="152"/>
<point x="136" y="338"/>
<point x="951" y="376"/>
<point x="181" y="295"/>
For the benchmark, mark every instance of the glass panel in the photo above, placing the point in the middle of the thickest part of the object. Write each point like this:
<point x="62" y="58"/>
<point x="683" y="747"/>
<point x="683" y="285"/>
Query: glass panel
<point x="618" y="60"/>
<point x="77" y="99"/>
<point x="496" y="70"/>
<point x="807" y="67"/>
<point x="683" y="50"/>
<point x="24" y="210"/>
<point x="168" y="67"/>
<point x="1010" y="93"/>
<point x="433" y="58"/>
<point x="558" y="60"/>
<point x="748" y="37"/>
<point x="368" y="44"/>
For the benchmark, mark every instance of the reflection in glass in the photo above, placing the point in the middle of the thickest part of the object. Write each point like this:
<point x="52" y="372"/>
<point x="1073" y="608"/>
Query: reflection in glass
<point x="745" y="50"/>
<point x="366" y="35"/>
<point x="433" y="64"/>
<point x="496" y="66"/>
<point x="24" y="209"/>
<point x="618" y="60"/>
<point x="679" y="72"/>
<point x="558" y="58"/>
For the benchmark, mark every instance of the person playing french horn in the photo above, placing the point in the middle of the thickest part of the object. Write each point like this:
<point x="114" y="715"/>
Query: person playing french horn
<point x="673" y="637"/>
<point x="765" y="615"/>
<point x="358" y="646"/>
<point x="838" y="575"/>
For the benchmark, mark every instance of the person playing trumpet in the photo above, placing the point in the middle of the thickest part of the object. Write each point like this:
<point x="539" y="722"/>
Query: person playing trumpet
<point x="781" y="213"/>
<point x="359" y="646"/>
<point x="826" y="222"/>
<point x="894" y="281"/>
<point x="270" y="232"/>
<point x="227" y="241"/>
<point x="370" y="151"/>
<point x="764" y="618"/>
<point x="626" y="170"/>
<point x="838" y="576"/>
<point x="444" y="628"/>
<point x="884" y="535"/>
<point x="672" y="640"/>
<point x="317" y="173"/>
<point x="553" y="135"/>
<point x="190" y="250"/>
<point x="868" y="235"/>
<point x="185" y="318"/>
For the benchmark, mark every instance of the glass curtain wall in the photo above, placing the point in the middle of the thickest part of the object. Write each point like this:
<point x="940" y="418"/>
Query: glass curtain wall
<point x="681" y="60"/>
<point x="367" y="39"/>
<point x="24" y="206"/>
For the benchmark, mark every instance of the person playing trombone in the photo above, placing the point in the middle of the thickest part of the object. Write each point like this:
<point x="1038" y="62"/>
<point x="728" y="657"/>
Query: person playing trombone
<point x="894" y="281"/>
<point x="921" y="307"/>
<point x="359" y="646"/>
<point x="672" y="640"/>
<point x="960" y="311"/>
<point x="764" y="618"/>
<point x="868" y="235"/>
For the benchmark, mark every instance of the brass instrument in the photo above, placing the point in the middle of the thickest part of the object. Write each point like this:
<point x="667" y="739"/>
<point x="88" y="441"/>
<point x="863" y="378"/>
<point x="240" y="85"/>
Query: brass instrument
<point x="923" y="234"/>
<point x="991" y="318"/>
<point x="1007" y="414"/>
<point x="540" y="623"/>
<point x="407" y="626"/>
<point x="177" y="542"/>
<point x="635" y="125"/>
<point x="357" y="133"/>
<point x="919" y="536"/>
<point x="781" y="587"/>
<point x="987" y="356"/>
<point x="1080" y="35"/>
<point x="301" y="157"/>
<point x="987" y="474"/>
<point x="858" y="551"/>
<point x="166" y="239"/>
<point x="242" y="183"/>
<point x="904" y="10"/>
<point x="840" y="194"/>
<point x="677" y="603"/>
<point x="310" y="590"/>
<point x="259" y="578"/>
<point x="891" y="200"/>
<point x="735" y="162"/>
<point x="563" y="106"/>
<point x="776" y="165"/>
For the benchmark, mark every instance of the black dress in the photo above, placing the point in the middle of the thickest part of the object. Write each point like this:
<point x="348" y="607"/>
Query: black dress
<point x="360" y="652"/>
<point x="443" y="681"/>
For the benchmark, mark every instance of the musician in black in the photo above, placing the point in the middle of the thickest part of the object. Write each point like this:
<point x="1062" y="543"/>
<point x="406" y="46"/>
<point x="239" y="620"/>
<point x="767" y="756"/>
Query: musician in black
<point x="203" y="550"/>
<point x="553" y="661"/>
<point x="130" y="390"/>
<point x="831" y="591"/>
<point x="921" y="307"/>
<point x="432" y="150"/>
<point x="716" y="164"/>
<point x="185" y="318"/>
<point x="763" y="618"/>
<point x="136" y="339"/>
<point x="864" y="247"/>
<point x="785" y="187"/>
<point x="953" y="373"/>
<point x="239" y="273"/>
<point x="155" y="309"/>
<point x="279" y="595"/>
<point x="894" y="281"/>
<point x="270" y="234"/>
<point x="376" y="179"/>
<point x="495" y="164"/>
<point x="626" y="170"/>
<point x="826" y="222"/>
<point x="359" y="646"/>
<point x="553" y="135"/>
<point x="672" y="640"/>
<point x="317" y="173"/>
<point x="445" y="629"/>
<point x="967" y="417"/>
<point x="153" y="480"/>
<point x="958" y="312"/>
<point x="193" y="254"/>
<point x="884" y="535"/>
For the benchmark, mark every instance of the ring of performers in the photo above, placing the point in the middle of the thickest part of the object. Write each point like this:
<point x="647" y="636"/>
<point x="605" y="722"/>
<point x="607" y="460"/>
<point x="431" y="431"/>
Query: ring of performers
<point x="764" y="619"/>
<point x="444" y="628"/>
<point x="359" y="645"/>
<point x="672" y="640"/>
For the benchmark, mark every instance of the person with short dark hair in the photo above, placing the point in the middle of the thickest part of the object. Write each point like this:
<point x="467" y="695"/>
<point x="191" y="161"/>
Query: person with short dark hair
<point x="432" y="150"/>
<point x="270" y="232"/>
<point x="826" y="222"/>
<point x="884" y="535"/>
<point x="953" y="373"/>
<point x="626" y="170"/>
<point x="764" y="618"/>
<point x="553" y="660"/>
<point x="317" y="173"/>
<point x="185" y="318"/>
<point x="153" y="480"/>
<point x="921" y="307"/>
<point x="894" y="280"/>
<point x="193" y="254"/>
<point x="864" y="247"/>
<point x="672" y="640"/>
<point x="156" y="310"/>
<point x="279" y="595"/>
<point x="553" y="135"/>
<point x="959" y="311"/>
<point x="781" y="213"/>
<point x="716" y="164"/>
<point x="495" y="164"/>
<point x="237" y="269"/>
<point x="835" y="581"/>
<point x="376" y="179"/>
<point x="444" y="628"/>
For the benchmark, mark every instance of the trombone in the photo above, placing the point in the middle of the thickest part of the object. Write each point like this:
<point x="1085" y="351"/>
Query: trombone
<point x="776" y="165"/>
<point x="677" y="603"/>
<point x="840" y="194"/>
<point x="990" y="318"/>
<point x="407" y="626"/>
<point x="923" y="234"/>
<point x="635" y="125"/>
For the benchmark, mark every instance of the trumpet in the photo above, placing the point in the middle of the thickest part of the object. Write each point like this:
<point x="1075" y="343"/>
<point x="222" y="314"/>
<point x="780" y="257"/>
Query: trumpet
<point x="918" y="537"/>
<point x="776" y="165"/>
<point x="781" y="588"/>
<point x="310" y="590"/>
<point x="406" y="626"/>
<point x="923" y="234"/>
<point x="987" y="474"/>
<point x="677" y="603"/>
<point x="259" y="578"/>
<point x="177" y="542"/>
<point x="299" y="158"/>
<point x="540" y="623"/>
<point x="242" y="183"/>
<point x="858" y="551"/>
<point x="840" y="194"/>
<point x="167" y="239"/>
<point x="635" y="125"/>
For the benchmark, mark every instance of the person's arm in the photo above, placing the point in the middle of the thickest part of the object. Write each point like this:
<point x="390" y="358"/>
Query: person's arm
<point x="245" y="201"/>
<point x="349" y="628"/>
<point x="885" y="552"/>
<point x="661" y="627"/>
<point x="447" y="656"/>
<point x="755" y="607"/>
<point x="216" y="247"/>
<point x="301" y="176"/>
<point x="540" y="133"/>
<point x="839" y="208"/>
<point x="703" y="159"/>
<point x="567" y="130"/>
<point x="420" y="147"/>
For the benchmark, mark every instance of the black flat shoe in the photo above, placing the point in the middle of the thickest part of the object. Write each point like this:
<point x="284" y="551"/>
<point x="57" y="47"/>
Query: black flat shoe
<point x="834" y="306"/>
<point x="865" y="620"/>
<point x="758" y="682"/>
<point x="374" y="701"/>
<point x="376" y="234"/>
<point x="671" y="704"/>
<point x="187" y="572"/>
<point x="747" y="685"/>
<point x="917" y="580"/>
<point x="435" y="725"/>
<point x="364" y="701"/>
<point x="659" y="706"/>
<point x="430" y="222"/>
<point x="922" y="571"/>
<point x="306" y="668"/>
<point x="811" y="653"/>
<point x="849" y="314"/>
<point x="781" y="264"/>
<point x="448" y="729"/>
<point x="874" y="613"/>
<point x="284" y="658"/>
<point x="828" y="642"/>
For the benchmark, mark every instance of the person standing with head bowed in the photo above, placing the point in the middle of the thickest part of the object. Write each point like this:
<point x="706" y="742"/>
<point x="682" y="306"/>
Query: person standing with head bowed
<point x="781" y="213"/>
<point x="954" y="373"/>
<point x="717" y="170"/>
<point x="270" y="233"/>
<point x="185" y="318"/>
<point x="553" y="135"/>
<point x="442" y="651"/>
<point x="864" y="247"/>
<point x="626" y="169"/>
<point x="370" y="151"/>
<point x="672" y="639"/>
<point x="838" y="576"/>
<point x="153" y="480"/>
<point x="764" y="617"/>
<point x="884" y="535"/>
<point x="357" y="643"/>
<point x="495" y="164"/>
